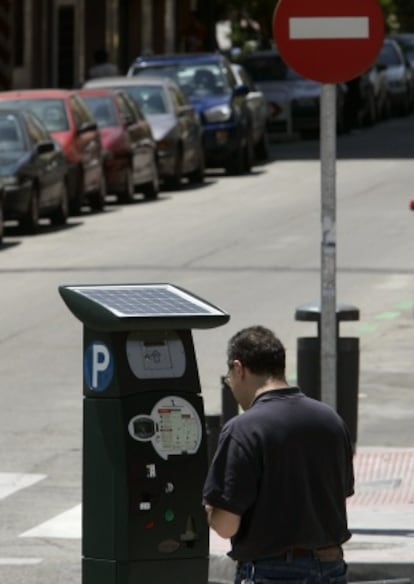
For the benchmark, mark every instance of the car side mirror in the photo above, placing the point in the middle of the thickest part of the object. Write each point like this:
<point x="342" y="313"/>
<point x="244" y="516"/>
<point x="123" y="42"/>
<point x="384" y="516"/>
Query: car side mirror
<point x="87" y="127"/>
<point x="45" y="147"/>
<point x="241" y="90"/>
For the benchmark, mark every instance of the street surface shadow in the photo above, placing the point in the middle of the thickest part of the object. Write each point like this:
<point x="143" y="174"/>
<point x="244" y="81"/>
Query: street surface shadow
<point x="386" y="140"/>
<point x="14" y="230"/>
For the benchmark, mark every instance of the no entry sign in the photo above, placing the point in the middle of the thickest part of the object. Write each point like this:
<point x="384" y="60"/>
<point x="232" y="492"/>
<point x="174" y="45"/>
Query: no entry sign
<point x="330" y="41"/>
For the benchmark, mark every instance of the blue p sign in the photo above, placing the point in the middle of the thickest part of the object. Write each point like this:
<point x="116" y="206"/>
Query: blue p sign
<point x="98" y="366"/>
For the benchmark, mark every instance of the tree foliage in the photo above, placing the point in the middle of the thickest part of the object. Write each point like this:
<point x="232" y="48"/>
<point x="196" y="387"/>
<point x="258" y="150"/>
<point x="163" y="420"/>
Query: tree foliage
<point x="398" y="14"/>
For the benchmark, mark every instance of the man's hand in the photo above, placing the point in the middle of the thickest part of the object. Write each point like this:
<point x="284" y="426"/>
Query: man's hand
<point x="224" y="523"/>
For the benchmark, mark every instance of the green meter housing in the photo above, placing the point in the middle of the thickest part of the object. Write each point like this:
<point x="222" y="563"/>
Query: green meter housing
<point x="144" y="436"/>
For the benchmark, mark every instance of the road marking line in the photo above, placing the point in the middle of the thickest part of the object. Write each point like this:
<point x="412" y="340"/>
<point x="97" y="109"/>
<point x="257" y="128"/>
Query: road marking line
<point x="20" y="561"/>
<point x="11" y="482"/>
<point x="67" y="525"/>
<point x="329" y="27"/>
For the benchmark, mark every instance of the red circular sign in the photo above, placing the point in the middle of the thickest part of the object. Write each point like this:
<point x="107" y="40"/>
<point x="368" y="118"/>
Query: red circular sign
<point x="330" y="41"/>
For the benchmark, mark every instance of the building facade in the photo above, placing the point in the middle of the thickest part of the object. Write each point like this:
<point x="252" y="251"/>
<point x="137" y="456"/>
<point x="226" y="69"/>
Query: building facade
<point x="51" y="43"/>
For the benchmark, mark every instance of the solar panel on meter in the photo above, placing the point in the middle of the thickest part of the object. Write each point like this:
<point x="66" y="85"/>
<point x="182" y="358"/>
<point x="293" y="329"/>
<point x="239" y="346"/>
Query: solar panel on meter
<point x="103" y="305"/>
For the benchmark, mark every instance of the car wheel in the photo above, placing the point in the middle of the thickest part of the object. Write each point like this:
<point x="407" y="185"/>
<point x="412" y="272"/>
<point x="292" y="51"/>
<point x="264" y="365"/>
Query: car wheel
<point x="235" y="165"/>
<point x="262" y="147"/>
<point x="174" y="181"/>
<point x="248" y="155"/>
<point x="30" y="222"/>
<point x="197" y="175"/>
<point x="75" y="204"/>
<point x="97" y="199"/>
<point x="371" y="114"/>
<point x="127" y="195"/>
<point x="59" y="217"/>
<point x="151" y="189"/>
<point x="1" y="222"/>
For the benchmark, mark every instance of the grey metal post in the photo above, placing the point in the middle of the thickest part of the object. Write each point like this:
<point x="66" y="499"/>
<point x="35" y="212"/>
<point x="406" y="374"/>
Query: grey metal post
<point x="328" y="244"/>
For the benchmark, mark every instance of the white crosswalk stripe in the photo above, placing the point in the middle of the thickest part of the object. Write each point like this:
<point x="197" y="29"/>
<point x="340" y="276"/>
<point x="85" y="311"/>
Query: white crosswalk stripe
<point x="67" y="525"/>
<point x="11" y="482"/>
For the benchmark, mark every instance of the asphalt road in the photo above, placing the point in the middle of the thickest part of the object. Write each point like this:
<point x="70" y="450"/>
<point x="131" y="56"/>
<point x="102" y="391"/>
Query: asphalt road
<point x="250" y="245"/>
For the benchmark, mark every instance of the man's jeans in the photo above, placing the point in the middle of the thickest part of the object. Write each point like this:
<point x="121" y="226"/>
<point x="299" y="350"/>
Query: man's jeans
<point x="306" y="570"/>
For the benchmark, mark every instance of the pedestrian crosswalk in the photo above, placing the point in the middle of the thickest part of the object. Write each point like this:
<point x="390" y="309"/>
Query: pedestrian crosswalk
<point x="66" y="525"/>
<point x="11" y="482"/>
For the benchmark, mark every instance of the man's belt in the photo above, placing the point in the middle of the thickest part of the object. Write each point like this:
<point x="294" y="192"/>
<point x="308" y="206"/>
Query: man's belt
<point x="326" y="554"/>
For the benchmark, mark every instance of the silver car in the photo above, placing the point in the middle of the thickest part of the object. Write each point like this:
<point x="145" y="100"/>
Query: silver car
<point x="256" y="102"/>
<point x="175" y="125"/>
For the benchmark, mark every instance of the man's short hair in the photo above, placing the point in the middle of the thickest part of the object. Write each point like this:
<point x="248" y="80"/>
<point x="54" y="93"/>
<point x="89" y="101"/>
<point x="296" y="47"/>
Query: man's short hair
<point x="258" y="349"/>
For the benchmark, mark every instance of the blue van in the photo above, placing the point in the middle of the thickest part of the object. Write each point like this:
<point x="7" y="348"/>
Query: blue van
<point x="210" y="85"/>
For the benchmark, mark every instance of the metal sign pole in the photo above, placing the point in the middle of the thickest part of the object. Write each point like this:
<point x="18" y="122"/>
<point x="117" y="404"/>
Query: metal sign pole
<point x="328" y="328"/>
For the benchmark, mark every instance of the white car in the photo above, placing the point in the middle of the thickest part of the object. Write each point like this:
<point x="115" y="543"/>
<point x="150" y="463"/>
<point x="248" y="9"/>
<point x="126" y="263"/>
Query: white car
<point x="293" y="101"/>
<point x="399" y="75"/>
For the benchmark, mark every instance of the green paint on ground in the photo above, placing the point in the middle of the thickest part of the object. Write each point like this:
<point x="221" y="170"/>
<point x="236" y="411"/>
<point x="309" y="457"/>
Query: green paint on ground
<point x="387" y="315"/>
<point x="368" y="328"/>
<point x="405" y="305"/>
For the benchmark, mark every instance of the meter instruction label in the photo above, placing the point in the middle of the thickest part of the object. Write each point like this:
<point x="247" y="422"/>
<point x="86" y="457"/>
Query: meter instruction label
<point x="173" y="427"/>
<point x="98" y="366"/>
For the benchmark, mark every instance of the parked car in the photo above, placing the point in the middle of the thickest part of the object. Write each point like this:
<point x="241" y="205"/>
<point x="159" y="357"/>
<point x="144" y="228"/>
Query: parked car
<point x="293" y="101"/>
<point x="209" y="83"/>
<point x="399" y="75"/>
<point x="72" y="125"/>
<point x="1" y="216"/>
<point x="130" y="157"/>
<point x="257" y="105"/>
<point x="406" y="42"/>
<point x="33" y="171"/>
<point x="175" y="125"/>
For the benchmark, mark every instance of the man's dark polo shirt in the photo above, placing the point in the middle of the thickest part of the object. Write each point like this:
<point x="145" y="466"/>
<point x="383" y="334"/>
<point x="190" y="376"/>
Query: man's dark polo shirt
<point x="285" y="466"/>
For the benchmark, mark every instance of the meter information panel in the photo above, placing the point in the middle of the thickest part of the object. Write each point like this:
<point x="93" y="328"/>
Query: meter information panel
<point x="173" y="427"/>
<point x="156" y="354"/>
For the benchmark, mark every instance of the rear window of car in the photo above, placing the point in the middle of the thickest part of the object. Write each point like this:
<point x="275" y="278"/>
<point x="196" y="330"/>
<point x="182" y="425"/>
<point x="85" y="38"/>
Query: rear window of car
<point x="194" y="79"/>
<point x="51" y="112"/>
<point x="103" y="110"/>
<point x="151" y="100"/>
<point x="389" y="56"/>
<point x="11" y="137"/>
<point x="269" y="69"/>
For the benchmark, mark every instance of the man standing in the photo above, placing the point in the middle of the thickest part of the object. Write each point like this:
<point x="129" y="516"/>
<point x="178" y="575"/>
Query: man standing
<point x="102" y="67"/>
<point x="279" y="479"/>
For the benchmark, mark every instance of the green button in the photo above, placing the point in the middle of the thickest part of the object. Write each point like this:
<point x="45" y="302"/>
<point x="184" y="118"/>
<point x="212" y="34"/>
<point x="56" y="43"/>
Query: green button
<point x="169" y="515"/>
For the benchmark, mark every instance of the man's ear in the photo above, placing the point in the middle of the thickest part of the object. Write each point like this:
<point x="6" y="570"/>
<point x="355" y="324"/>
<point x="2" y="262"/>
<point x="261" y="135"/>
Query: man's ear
<point x="239" y="368"/>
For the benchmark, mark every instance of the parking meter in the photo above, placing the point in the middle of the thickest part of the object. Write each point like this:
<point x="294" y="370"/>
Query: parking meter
<point x="144" y="438"/>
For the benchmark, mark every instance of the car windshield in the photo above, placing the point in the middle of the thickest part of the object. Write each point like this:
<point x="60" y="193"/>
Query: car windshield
<point x="51" y="112"/>
<point x="194" y="79"/>
<point x="150" y="98"/>
<point x="388" y="56"/>
<point x="11" y="137"/>
<point x="103" y="110"/>
<point x="269" y="69"/>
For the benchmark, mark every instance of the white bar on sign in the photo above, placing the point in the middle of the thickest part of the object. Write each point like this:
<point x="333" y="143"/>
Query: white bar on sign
<point x="67" y="525"/>
<point x="328" y="27"/>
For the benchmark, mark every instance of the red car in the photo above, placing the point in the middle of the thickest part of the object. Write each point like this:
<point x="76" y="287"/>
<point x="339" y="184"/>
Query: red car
<point x="412" y="205"/>
<point x="72" y="125"/>
<point x="130" y="155"/>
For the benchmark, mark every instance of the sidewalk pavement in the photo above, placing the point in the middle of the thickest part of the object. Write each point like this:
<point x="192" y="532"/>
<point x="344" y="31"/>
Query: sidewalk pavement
<point x="381" y="519"/>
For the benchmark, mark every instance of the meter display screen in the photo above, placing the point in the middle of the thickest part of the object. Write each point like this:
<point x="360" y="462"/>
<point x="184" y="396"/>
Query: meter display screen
<point x="156" y="355"/>
<point x="173" y="427"/>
